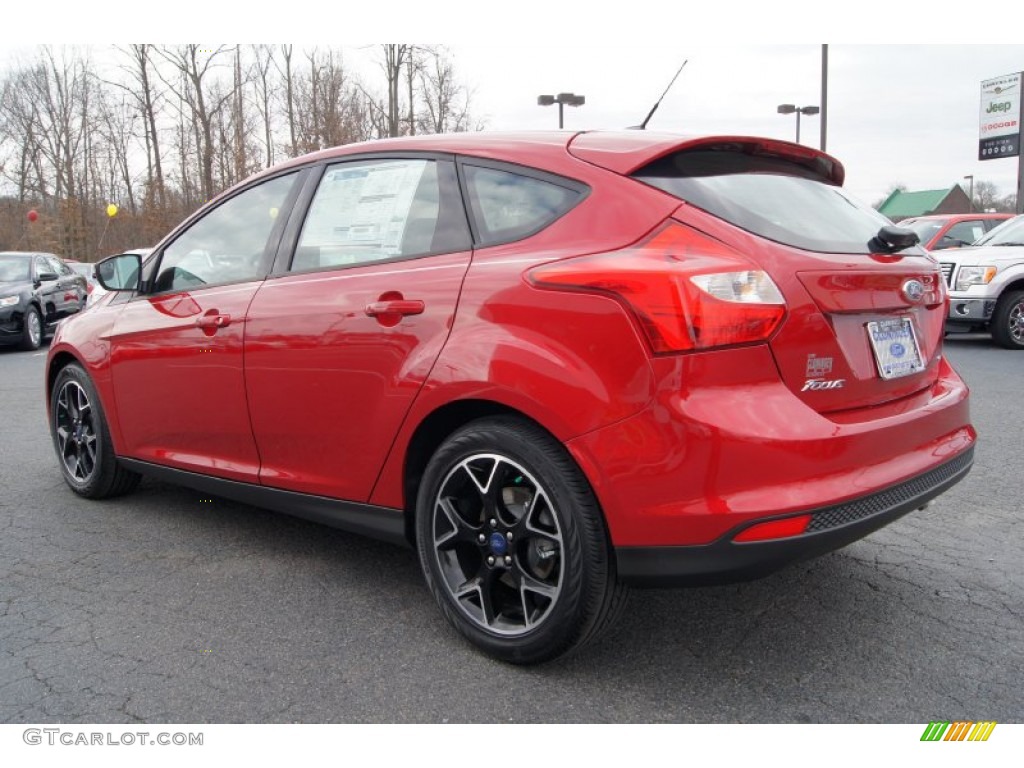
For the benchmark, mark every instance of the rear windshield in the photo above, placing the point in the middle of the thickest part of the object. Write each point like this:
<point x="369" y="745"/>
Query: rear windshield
<point x="769" y="196"/>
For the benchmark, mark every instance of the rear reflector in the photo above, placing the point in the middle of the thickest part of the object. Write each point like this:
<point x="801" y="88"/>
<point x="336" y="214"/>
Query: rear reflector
<point x="775" y="529"/>
<point x="687" y="290"/>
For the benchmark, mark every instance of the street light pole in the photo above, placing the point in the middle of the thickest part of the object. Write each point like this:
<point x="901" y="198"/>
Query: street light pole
<point x="789" y="109"/>
<point x="824" y="95"/>
<point x="970" y="195"/>
<point x="562" y="99"/>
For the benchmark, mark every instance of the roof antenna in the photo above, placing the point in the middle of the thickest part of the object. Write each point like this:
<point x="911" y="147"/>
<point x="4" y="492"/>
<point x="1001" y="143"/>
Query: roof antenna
<point x="657" y="104"/>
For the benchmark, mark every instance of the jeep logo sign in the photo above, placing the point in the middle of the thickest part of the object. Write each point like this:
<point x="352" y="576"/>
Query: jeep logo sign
<point x="999" y="128"/>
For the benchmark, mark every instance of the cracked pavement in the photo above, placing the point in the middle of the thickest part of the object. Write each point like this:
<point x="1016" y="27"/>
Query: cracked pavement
<point x="158" y="607"/>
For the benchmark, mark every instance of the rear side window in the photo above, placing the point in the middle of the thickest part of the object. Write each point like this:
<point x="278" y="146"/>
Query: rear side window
<point x="509" y="206"/>
<point x="380" y="210"/>
<point x="769" y="196"/>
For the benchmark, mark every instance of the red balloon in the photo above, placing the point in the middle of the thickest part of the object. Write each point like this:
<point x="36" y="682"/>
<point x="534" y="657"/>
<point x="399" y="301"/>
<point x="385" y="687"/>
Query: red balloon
<point x="32" y="215"/>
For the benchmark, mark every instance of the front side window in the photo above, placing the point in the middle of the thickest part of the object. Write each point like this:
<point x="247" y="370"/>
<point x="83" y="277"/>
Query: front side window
<point x="380" y="210"/>
<point x="58" y="267"/>
<point x="229" y="243"/>
<point x="42" y="266"/>
<point x="509" y="206"/>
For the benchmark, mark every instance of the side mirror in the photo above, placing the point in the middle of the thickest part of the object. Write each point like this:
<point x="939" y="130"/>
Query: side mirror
<point x="48" y="277"/>
<point x="120" y="273"/>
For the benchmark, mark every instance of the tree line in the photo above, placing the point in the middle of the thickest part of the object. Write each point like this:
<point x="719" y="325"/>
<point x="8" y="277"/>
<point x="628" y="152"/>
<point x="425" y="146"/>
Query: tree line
<point x="159" y="130"/>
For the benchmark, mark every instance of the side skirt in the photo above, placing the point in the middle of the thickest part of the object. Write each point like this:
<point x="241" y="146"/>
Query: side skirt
<point x="382" y="523"/>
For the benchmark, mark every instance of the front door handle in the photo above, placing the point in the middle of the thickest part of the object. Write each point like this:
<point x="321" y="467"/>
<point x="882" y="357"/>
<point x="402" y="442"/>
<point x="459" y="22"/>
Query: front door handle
<point x="395" y="307"/>
<point x="213" y="320"/>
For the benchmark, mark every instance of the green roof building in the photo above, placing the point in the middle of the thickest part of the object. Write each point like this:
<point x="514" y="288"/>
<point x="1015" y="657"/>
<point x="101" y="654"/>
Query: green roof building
<point x="902" y="205"/>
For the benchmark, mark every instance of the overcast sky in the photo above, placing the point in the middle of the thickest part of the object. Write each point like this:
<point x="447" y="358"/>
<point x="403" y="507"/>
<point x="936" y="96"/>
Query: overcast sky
<point x="896" y="113"/>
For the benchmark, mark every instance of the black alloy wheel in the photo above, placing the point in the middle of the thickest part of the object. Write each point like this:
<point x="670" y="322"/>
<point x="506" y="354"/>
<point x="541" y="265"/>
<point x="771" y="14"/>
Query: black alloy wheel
<point x="81" y="438"/>
<point x="513" y="544"/>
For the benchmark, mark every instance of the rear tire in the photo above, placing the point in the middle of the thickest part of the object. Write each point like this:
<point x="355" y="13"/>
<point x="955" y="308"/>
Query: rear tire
<point x="82" y="439"/>
<point x="512" y="543"/>
<point x="1008" y="320"/>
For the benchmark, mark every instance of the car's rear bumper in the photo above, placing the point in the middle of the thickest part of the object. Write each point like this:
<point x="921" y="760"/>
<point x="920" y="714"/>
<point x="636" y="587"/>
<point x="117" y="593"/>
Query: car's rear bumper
<point x="724" y="445"/>
<point x="832" y="527"/>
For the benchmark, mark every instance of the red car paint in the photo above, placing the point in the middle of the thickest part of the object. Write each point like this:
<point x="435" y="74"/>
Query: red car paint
<point x="308" y="382"/>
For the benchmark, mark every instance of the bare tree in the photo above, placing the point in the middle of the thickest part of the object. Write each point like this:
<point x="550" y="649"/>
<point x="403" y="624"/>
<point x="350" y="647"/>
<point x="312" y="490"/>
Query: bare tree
<point x="395" y="55"/>
<point x="289" y="95"/>
<point x="147" y="97"/>
<point x="263" y="86"/>
<point x="445" y="99"/>
<point x="988" y="198"/>
<point x="195" y="65"/>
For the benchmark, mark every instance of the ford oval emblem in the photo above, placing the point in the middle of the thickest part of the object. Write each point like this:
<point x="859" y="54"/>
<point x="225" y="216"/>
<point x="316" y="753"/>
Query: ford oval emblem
<point x="913" y="291"/>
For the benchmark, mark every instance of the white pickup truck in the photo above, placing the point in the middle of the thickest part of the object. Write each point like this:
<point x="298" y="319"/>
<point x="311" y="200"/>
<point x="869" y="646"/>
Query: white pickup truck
<point x="986" y="285"/>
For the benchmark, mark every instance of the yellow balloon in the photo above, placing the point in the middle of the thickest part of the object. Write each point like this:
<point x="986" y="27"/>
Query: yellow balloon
<point x="111" y="210"/>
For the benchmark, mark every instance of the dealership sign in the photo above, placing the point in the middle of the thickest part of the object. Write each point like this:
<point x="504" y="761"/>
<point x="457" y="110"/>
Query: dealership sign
<point x="1000" y="117"/>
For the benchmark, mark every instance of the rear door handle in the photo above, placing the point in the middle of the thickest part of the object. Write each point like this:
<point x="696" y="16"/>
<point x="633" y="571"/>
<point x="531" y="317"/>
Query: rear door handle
<point x="395" y="307"/>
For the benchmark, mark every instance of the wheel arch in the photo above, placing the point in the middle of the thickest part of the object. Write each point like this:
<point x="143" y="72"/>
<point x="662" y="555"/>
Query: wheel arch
<point x="432" y="431"/>
<point x="57" y="363"/>
<point x="1017" y="284"/>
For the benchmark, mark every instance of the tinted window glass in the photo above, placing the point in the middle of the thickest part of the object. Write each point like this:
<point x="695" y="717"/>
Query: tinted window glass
<point x="386" y="209"/>
<point x="769" y="196"/>
<point x="509" y="206"/>
<point x="57" y="266"/>
<point x="926" y="229"/>
<point x="228" y="244"/>
<point x="965" y="232"/>
<point x="43" y="266"/>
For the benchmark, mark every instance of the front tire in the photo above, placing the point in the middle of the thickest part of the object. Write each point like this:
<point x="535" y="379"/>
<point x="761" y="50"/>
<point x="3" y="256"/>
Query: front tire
<point x="1008" y="320"/>
<point x="32" y="329"/>
<point x="513" y="544"/>
<point x="82" y="439"/>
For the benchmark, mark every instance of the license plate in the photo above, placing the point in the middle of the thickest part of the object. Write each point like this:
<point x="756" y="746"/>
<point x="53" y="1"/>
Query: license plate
<point x="895" y="346"/>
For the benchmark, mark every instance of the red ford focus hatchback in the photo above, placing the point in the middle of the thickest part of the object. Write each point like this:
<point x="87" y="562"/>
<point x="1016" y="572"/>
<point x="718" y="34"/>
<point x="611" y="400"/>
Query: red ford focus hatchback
<point x="556" y="364"/>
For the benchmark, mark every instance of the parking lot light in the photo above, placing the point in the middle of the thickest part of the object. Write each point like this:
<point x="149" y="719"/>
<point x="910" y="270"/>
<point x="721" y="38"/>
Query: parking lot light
<point x="789" y="109"/>
<point x="562" y="99"/>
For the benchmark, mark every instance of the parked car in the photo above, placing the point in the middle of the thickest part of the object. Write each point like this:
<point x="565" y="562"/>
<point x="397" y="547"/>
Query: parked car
<point x="953" y="230"/>
<point x="986" y="285"/>
<point x="555" y="364"/>
<point x="37" y="290"/>
<point x="87" y="271"/>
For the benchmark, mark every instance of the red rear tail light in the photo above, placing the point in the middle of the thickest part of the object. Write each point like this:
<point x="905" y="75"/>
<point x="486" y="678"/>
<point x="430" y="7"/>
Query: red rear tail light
<point x="687" y="290"/>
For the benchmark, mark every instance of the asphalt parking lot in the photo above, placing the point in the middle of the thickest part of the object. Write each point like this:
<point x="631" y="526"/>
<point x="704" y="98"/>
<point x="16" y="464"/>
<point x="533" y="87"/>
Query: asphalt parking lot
<point x="166" y="606"/>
